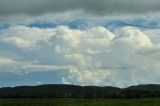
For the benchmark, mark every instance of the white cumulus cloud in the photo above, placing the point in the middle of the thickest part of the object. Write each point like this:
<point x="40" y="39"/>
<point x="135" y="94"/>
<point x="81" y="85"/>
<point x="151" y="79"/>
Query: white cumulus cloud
<point x="93" y="56"/>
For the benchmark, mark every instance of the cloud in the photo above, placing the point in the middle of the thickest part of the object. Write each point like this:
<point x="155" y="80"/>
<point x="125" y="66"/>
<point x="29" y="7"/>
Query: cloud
<point x="25" y="37"/>
<point x="153" y="34"/>
<point x="39" y="67"/>
<point x="90" y="56"/>
<point x="24" y="67"/>
<point x="90" y="77"/>
<point x="113" y="63"/>
<point x="136" y="36"/>
<point x="38" y="7"/>
<point x="83" y="39"/>
<point x="6" y="61"/>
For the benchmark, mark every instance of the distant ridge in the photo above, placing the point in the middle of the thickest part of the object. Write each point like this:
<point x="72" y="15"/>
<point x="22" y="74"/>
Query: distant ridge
<point x="75" y="91"/>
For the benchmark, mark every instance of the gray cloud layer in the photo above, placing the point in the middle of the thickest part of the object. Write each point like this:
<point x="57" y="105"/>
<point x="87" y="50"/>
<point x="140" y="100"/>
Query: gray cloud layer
<point x="97" y="7"/>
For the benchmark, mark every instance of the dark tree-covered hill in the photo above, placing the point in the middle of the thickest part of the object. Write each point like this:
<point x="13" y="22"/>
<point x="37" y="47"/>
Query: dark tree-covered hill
<point x="74" y="91"/>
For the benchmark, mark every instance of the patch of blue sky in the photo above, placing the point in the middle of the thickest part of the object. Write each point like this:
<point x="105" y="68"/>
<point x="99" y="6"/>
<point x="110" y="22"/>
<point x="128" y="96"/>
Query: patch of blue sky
<point x="13" y="51"/>
<point x="143" y="23"/>
<point x="80" y="24"/>
<point x="41" y="25"/>
<point x="30" y="78"/>
<point x="74" y="24"/>
<point x="4" y="26"/>
<point x="110" y="24"/>
<point x="140" y="23"/>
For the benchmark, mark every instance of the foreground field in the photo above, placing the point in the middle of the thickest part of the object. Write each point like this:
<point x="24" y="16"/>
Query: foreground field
<point x="80" y="102"/>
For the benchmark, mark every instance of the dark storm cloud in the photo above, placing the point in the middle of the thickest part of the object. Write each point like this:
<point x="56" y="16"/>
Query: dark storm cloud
<point x="97" y="7"/>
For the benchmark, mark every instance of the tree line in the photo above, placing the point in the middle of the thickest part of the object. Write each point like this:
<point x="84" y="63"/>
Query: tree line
<point x="74" y="91"/>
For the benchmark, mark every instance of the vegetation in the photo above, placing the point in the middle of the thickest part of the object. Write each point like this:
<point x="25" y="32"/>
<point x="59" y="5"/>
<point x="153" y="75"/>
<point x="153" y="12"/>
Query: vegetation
<point x="73" y="91"/>
<point x="72" y="95"/>
<point x="80" y="102"/>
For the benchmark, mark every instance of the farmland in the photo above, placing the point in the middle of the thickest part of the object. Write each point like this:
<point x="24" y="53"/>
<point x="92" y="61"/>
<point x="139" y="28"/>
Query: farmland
<point x="80" y="102"/>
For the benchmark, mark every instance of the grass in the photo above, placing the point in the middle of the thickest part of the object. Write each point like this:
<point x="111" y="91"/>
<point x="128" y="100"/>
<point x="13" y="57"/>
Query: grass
<point x="81" y="102"/>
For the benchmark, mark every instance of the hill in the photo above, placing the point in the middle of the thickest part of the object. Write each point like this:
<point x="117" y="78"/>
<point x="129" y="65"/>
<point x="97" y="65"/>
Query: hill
<point x="74" y="91"/>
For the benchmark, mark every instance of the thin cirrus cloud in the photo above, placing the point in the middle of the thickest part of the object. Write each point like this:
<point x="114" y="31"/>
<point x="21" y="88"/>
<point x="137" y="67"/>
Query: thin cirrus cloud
<point x="97" y="7"/>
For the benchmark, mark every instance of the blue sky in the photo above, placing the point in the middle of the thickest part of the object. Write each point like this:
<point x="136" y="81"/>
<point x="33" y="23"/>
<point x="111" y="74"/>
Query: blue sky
<point x="105" y="46"/>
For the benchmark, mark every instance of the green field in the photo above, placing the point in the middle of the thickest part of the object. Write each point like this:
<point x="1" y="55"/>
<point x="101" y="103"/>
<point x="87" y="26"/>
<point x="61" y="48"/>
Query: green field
<point x="80" y="102"/>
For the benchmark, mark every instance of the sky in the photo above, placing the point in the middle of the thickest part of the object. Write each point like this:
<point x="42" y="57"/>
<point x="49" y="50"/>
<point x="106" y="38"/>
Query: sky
<point x="80" y="42"/>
